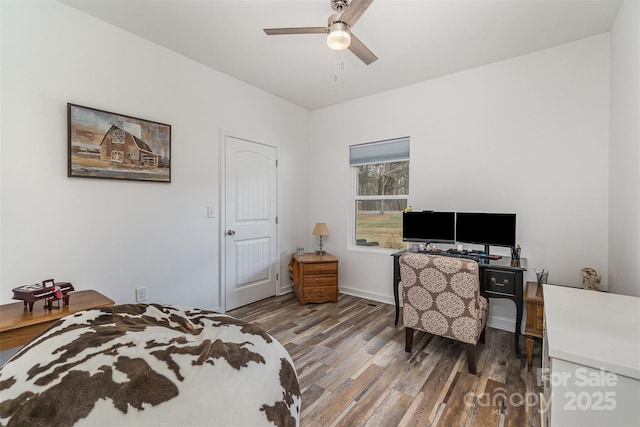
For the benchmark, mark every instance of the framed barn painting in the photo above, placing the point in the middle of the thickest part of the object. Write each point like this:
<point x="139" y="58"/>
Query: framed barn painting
<point x="115" y="146"/>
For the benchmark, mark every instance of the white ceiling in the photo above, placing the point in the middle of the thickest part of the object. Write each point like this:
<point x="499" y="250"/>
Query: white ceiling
<point x="415" y="40"/>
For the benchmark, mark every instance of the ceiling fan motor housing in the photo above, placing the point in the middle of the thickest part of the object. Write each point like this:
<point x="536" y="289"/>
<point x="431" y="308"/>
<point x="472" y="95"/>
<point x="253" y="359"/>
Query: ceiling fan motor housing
<point x="334" y="23"/>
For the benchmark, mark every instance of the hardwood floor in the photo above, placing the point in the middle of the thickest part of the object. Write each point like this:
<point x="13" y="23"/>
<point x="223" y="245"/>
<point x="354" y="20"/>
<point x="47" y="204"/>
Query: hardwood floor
<point x="353" y="369"/>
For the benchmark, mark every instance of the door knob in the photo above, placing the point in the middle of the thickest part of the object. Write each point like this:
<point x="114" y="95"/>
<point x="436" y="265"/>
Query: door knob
<point x="231" y="233"/>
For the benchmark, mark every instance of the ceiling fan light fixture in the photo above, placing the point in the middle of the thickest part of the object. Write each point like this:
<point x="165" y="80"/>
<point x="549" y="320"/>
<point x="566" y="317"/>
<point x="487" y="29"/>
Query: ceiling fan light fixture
<point x="339" y="37"/>
<point x="338" y="29"/>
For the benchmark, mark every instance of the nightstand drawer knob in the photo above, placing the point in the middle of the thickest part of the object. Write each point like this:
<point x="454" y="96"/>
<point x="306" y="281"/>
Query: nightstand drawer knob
<point x="320" y="292"/>
<point x="505" y="282"/>
<point x="319" y="279"/>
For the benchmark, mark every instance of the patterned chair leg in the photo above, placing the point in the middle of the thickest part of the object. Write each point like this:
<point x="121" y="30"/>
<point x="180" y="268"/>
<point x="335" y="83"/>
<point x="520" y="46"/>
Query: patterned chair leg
<point x="408" y="339"/>
<point x="471" y="358"/>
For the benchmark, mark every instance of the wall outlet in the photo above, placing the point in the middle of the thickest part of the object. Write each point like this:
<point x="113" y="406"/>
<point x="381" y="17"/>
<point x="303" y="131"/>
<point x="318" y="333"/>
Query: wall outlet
<point x="141" y="294"/>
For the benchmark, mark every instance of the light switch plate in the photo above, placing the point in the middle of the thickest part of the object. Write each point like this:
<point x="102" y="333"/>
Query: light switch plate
<point x="141" y="294"/>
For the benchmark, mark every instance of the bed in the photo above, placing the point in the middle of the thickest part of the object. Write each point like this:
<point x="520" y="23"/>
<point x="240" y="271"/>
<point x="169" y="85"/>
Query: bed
<point x="150" y="365"/>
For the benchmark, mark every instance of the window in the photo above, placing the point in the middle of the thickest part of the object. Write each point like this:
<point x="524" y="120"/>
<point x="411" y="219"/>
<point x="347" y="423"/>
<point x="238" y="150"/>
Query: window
<point x="117" y="136"/>
<point x="117" y="156"/>
<point x="380" y="192"/>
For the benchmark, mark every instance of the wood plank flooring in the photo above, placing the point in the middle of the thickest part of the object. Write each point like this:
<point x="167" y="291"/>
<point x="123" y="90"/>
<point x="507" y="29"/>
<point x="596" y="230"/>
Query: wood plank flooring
<point x="353" y="369"/>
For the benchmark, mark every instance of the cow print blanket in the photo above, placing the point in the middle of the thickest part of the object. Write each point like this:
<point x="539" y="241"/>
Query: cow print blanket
<point x="150" y="365"/>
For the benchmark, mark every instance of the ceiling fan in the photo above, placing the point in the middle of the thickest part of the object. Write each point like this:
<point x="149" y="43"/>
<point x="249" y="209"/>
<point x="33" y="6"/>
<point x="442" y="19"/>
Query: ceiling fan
<point x="338" y="29"/>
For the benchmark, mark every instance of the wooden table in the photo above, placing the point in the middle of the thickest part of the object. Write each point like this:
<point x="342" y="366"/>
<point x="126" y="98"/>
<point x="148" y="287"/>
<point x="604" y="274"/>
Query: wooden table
<point x="18" y="325"/>
<point x="535" y="316"/>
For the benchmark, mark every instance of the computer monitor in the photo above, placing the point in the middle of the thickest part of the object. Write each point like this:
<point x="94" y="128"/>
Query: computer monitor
<point x="488" y="229"/>
<point x="429" y="227"/>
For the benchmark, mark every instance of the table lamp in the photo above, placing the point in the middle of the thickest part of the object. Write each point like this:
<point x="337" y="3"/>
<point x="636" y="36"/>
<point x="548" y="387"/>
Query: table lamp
<point x="320" y="230"/>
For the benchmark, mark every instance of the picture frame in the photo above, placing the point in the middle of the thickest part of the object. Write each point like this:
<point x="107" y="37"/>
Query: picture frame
<point x="102" y="144"/>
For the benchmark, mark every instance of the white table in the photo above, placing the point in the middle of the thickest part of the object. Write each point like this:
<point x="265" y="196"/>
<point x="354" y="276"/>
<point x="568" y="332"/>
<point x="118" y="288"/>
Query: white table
<point x="591" y="349"/>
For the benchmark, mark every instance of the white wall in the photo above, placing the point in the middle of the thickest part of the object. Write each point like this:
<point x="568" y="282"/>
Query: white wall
<point x="624" y="161"/>
<point x="527" y="135"/>
<point x="113" y="236"/>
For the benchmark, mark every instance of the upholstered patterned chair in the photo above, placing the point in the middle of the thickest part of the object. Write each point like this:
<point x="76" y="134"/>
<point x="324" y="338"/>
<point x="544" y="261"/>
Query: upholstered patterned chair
<point x="441" y="296"/>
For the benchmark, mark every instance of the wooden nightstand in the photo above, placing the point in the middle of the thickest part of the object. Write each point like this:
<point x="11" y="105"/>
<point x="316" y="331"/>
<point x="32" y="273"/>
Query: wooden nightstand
<point x="535" y="316"/>
<point x="314" y="277"/>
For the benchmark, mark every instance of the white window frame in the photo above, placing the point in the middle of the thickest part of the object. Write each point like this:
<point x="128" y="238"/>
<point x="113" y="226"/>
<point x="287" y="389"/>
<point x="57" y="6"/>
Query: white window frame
<point x="351" y="244"/>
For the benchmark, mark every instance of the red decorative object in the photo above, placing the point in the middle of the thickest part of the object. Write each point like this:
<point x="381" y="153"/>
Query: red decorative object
<point x="49" y="290"/>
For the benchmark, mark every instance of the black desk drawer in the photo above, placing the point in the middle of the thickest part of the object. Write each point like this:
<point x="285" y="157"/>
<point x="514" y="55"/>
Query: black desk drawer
<point x="500" y="281"/>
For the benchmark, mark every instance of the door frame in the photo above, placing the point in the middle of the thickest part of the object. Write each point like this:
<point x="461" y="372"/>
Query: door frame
<point x="222" y="213"/>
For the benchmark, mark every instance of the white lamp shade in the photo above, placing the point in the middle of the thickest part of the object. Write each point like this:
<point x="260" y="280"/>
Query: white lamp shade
<point x="339" y="37"/>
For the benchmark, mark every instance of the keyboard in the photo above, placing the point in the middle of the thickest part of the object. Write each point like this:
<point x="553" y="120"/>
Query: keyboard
<point x="467" y="256"/>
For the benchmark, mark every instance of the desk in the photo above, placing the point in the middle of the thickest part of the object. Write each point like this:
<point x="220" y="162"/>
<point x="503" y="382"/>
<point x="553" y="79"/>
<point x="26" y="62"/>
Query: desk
<point x="18" y="326"/>
<point x="499" y="278"/>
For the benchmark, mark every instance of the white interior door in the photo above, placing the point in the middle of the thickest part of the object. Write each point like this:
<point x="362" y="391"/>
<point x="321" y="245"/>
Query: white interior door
<point x="251" y="260"/>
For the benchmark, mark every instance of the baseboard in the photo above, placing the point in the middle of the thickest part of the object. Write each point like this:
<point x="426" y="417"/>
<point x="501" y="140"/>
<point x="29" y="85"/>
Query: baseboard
<point x="367" y="295"/>
<point x="502" y="323"/>
<point x="285" y="290"/>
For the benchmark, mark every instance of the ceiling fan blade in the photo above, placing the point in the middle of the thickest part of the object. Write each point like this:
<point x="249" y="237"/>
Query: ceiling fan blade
<point x="298" y="30"/>
<point x="361" y="51"/>
<point x="354" y="11"/>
